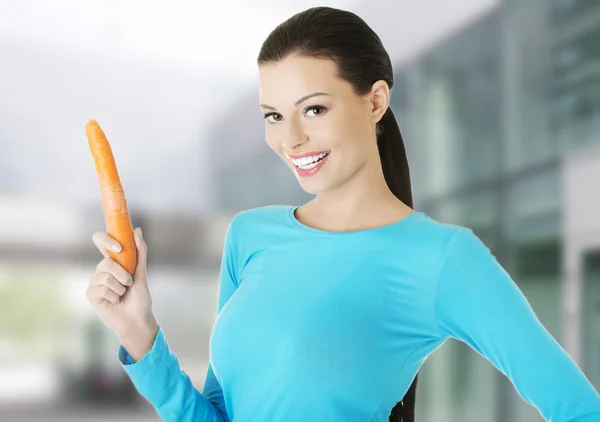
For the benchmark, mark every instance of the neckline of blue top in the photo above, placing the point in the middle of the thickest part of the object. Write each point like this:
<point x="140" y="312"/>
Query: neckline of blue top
<point x="415" y="215"/>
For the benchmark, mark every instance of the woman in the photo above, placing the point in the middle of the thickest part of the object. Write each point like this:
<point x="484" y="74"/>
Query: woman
<point x="328" y="310"/>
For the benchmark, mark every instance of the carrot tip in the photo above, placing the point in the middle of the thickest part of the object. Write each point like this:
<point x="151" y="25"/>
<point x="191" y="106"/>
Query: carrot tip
<point x="91" y="122"/>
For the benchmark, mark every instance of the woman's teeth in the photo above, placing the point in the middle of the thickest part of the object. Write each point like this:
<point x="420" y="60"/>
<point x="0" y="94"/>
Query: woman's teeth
<point x="306" y="163"/>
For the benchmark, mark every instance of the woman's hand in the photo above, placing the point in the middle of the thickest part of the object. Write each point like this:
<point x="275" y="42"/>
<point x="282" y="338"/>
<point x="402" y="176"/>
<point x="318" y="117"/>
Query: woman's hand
<point x="122" y="301"/>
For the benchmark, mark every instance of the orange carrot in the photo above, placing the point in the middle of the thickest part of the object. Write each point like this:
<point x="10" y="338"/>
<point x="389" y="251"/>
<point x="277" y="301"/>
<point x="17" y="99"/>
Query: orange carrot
<point x="114" y="204"/>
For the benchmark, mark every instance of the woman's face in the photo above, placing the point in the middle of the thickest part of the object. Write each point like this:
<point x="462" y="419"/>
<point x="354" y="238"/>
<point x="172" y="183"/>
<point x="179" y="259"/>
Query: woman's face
<point x="323" y="131"/>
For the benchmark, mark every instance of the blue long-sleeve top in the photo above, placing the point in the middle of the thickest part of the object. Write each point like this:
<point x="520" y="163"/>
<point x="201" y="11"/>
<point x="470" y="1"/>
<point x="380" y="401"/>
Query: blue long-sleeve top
<point x="326" y="326"/>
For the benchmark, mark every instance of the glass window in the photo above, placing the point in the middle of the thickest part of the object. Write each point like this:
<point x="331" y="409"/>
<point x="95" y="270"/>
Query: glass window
<point x="476" y="210"/>
<point x="462" y="108"/>
<point x="565" y="10"/>
<point x="574" y="113"/>
<point x="534" y="195"/>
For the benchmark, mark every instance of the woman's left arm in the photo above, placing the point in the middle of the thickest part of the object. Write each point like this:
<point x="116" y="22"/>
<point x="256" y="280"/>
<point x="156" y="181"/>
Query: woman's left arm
<point x="478" y="303"/>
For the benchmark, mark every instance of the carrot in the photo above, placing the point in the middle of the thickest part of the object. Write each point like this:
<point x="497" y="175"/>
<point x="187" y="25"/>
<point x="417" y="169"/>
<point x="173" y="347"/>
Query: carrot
<point x="114" y="204"/>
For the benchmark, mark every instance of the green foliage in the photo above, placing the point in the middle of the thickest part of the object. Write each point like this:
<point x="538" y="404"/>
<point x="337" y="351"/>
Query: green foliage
<point x="30" y="303"/>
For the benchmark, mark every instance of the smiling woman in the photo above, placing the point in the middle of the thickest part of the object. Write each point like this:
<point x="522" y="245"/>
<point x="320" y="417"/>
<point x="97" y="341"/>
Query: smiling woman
<point x="326" y="99"/>
<point x="328" y="310"/>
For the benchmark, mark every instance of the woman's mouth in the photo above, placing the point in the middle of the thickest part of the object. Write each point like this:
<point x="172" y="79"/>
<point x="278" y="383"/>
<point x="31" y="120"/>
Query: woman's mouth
<point x="307" y="166"/>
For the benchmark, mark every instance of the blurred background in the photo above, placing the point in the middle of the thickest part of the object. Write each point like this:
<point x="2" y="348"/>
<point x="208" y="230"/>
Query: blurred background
<point x="498" y="102"/>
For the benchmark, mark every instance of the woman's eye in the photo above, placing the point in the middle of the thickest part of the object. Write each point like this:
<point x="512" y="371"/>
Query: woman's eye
<point x="320" y="109"/>
<point x="276" y="117"/>
<point x="269" y="115"/>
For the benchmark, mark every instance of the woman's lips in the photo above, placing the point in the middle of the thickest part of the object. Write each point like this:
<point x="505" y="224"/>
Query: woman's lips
<point x="304" y="172"/>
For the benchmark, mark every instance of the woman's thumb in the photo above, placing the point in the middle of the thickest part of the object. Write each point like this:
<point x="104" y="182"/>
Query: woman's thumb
<point x="142" y="254"/>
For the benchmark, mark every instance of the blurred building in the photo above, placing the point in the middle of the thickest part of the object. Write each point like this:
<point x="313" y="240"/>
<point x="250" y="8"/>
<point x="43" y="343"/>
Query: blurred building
<point x="42" y="231"/>
<point x="500" y="121"/>
<point x="490" y="116"/>
<point x="56" y="350"/>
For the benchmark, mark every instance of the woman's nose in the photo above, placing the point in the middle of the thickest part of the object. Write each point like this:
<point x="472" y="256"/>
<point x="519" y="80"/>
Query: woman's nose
<point x="294" y="137"/>
<point x="291" y="145"/>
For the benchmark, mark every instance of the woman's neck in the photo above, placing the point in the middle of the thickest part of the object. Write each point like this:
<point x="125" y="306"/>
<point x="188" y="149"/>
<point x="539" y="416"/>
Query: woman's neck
<point x="353" y="207"/>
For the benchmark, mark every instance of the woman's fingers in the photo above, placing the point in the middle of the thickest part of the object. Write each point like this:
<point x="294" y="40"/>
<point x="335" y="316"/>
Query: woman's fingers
<point x="105" y="243"/>
<point x="142" y="255"/>
<point x="116" y="270"/>
<point x="108" y="280"/>
<point x="97" y="293"/>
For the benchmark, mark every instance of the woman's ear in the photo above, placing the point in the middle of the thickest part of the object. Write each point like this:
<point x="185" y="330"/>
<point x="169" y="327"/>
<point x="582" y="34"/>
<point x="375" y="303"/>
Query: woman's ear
<point x="380" y="100"/>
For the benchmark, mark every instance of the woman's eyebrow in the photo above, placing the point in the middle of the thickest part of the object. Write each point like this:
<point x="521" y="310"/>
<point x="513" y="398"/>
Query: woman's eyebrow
<point x="300" y="101"/>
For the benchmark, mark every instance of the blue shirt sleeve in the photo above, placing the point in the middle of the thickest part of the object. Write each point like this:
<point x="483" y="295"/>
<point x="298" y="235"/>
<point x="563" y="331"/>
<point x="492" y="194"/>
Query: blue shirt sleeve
<point x="159" y="378"/>
<point x="478" y="303"/>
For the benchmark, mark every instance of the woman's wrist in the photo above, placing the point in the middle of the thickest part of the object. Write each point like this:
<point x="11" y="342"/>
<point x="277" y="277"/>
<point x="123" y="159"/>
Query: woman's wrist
<point x="140" y="343"/>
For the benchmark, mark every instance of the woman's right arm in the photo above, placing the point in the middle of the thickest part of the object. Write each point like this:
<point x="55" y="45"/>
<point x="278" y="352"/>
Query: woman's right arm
<point x="159" y="378"/>
<point x="123" y="303"/>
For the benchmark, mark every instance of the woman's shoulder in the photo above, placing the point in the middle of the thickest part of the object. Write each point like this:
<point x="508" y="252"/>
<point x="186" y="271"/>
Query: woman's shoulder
<point x="449" y="235"/>
<point x="264" y="214"/>
<point x="441" y="231"/>
<point x="438" y="241"/>
<point x="264" y="221"/>
<point x="426" y="231"/>
<point x="455" y="247"/>
<point x="262" y="211"/>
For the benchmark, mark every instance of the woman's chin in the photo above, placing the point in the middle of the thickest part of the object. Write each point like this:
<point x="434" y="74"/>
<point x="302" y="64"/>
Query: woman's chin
<point x="312" y="187"/>
<point x="311" y="183"/>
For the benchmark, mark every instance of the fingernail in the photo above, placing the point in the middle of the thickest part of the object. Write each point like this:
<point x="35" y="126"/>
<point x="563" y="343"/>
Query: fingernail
<point x="116" y="247"/>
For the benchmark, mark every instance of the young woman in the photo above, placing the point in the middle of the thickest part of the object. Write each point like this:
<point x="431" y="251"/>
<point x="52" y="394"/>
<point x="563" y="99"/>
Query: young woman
<point x="327" y="310"/>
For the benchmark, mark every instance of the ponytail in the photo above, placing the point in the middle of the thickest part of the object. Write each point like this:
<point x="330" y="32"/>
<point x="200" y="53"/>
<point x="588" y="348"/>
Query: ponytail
<point x="393" y="158"/>
<point x="397" y="176"/>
